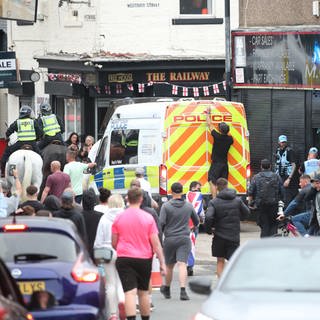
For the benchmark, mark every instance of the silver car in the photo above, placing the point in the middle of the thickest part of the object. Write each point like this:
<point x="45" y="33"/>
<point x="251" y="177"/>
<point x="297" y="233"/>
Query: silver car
<point x="272" y="278"/>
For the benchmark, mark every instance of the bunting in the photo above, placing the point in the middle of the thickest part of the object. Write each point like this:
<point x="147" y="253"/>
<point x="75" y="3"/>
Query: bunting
<point x="141" y="87"/>
<point x="118" y="88"/>
<point x="176" y="90"/>
<point x="107" y="90"/>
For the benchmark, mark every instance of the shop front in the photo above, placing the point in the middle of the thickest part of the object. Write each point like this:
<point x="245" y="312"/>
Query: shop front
<point x="276" y="76"/>
<point x="86" y="92"/>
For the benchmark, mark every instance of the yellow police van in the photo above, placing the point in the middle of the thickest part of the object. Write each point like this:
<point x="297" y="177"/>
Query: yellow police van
<point x="172" y="142"/>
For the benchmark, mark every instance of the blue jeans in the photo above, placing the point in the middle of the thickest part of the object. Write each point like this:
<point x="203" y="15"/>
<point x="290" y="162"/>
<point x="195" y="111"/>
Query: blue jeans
<point x="301" y="222"/>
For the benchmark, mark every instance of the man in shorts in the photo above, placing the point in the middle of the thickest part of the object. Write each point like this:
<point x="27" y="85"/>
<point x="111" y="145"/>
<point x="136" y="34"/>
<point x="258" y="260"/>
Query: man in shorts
<point x="174" y="221"/>
<point x="223" y="220"/>
<point x="135" y="238"/>
<point x="219" y="155"/>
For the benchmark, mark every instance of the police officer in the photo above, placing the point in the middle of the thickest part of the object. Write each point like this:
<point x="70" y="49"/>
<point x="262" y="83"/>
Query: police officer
<point x="286" y="168"/>
<point x="28" y="131"/>
<point x="312" y="164"/>
<point x="51" y="125"/>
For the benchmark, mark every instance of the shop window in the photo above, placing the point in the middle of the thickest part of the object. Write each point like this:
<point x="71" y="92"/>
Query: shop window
<point x="124" y="147"/>
<point x="72" y="116"/>
<point x="196" y="7"/>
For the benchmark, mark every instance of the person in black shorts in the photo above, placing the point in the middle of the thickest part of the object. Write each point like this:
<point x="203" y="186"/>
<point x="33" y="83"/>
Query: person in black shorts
<point x="135" y="238"/>
<point x="219" y="155"/>
<point x="223" y="220"/>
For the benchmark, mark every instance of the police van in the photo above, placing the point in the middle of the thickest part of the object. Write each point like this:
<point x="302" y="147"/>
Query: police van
<point x="172" y="142"/>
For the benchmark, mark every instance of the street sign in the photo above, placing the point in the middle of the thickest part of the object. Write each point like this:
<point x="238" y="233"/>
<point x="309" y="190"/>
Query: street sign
<point x="8" y="68"/>
<point x="24" y="10"/>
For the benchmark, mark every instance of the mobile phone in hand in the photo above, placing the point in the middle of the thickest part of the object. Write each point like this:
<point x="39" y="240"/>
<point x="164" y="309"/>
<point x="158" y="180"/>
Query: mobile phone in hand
<point x="11" y="168"/>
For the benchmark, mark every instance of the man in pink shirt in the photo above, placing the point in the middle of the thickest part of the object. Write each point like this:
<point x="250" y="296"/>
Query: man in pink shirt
<point x="56" y="182"/>
<point x="135" y="238"/>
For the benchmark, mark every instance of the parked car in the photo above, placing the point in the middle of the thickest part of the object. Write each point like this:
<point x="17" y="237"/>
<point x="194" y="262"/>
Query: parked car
<point x="11" y="302"/>
<point x="47" y="255"/>
<point x="274" y="278"/>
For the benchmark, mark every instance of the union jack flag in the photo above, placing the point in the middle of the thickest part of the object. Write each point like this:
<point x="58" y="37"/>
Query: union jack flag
<point x="141" y="87"/>
<point x="196" y="92"/>
<point x="215" y="88"/>
<point x="174" y="90"/>
<point x="118" y="88"/>
<point x="130" y="87"/>
<point x="107" y="90"/>
<point x="185" y="91"/>
<point x="206" y="91"/>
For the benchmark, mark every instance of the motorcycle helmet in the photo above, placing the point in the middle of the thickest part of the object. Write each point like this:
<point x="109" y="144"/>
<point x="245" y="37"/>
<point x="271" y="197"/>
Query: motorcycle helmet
<point x="45" y="108"/>
<point x="25" y="111"/>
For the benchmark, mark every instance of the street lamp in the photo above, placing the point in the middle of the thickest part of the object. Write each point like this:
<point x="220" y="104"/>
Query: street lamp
<point x="228" y="49"/>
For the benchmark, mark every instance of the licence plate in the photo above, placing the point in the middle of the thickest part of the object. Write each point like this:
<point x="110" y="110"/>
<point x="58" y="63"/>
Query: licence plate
<point x="29" y="287"/>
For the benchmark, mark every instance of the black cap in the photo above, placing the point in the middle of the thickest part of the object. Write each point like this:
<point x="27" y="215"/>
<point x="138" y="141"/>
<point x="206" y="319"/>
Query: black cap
<point x="316" y="178"/>
<point x="176" y="187"/>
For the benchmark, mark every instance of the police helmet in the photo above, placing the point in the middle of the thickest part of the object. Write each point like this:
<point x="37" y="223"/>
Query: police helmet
<point x="25" y="111"/>
<point x="224" y="128"/>
<point x="45" y="108"/>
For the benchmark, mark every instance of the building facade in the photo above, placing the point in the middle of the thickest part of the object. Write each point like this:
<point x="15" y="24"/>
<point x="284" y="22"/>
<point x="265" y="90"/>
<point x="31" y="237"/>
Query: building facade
<point x="90" y="55"/>
<point x="275" y="71"/>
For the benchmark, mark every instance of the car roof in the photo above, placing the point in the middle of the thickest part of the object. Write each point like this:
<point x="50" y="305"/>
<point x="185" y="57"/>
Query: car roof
<point x="281" y="241"/>
<point x="44" y="224"/>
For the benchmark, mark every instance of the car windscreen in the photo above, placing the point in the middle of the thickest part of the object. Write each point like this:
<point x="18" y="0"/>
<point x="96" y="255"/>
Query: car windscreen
<point x="282" y="268"/>
<point x="37" y="247"/>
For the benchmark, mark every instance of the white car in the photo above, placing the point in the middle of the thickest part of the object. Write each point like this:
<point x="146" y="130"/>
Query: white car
<point x="271" y="278"/>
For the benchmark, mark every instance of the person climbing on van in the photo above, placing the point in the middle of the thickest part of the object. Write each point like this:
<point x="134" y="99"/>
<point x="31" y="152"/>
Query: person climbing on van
<point x="28" y="132"/>
<point x="51" y="125"/>
<point x="219" y="155"/>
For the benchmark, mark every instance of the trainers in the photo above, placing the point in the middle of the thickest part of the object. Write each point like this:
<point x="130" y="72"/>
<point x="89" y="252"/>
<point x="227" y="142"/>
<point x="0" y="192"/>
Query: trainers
<point x="137" y="308"/>
<point x="152" y="307"/>
<point x="184" y="296"/>
<point x="165" y="291"/>
<point x="190" y="271"/>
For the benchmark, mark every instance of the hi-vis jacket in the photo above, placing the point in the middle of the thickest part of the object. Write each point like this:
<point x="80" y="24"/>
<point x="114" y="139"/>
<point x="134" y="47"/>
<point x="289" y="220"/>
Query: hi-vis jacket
<point x="27" y="129"/>
<point x="174" y="144"/>
<point x="50" y="125"/>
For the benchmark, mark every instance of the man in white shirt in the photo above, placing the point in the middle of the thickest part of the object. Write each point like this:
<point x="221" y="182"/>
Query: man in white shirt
<point x="75" y="170"/>
<point x="10" y="203"/>
<point x="145" y="185"/>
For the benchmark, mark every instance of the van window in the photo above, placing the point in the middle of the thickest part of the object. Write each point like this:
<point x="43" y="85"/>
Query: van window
<point x="101" y="154"/>
<point x="124" y="147"/>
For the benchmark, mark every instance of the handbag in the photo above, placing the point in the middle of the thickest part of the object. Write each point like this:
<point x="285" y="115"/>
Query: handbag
<point x="102" y="255"/>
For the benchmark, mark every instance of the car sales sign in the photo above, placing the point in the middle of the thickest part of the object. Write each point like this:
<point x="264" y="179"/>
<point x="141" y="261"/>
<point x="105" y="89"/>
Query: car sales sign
<point x="7" y="68"/>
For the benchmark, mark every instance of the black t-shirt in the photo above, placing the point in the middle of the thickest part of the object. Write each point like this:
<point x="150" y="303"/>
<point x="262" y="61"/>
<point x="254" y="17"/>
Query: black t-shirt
<point x="221" y="146"/>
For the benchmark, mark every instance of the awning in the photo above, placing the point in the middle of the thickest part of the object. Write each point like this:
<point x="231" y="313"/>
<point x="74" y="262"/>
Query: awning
<point x="66" y="89"/>
<point x="24" y="88"/>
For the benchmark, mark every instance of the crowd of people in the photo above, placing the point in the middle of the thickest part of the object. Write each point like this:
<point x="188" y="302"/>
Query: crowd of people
<point x="132" y="228"/>
<point x="270" y="190"/>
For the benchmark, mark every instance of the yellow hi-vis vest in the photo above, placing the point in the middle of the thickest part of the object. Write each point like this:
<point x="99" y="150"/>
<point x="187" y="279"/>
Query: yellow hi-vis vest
<point x="50" y="125"/>
<point x="26" y="131"/>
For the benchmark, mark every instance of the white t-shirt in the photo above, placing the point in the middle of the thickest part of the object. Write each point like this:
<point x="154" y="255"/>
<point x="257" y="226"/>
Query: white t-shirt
<point x="145" y="185"/>
<point x="75" y="170"/>
<point x="101" y="208"/>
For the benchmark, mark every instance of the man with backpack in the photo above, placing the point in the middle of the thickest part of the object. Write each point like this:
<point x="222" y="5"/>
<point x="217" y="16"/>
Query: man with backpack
<point x="264" y="193"/>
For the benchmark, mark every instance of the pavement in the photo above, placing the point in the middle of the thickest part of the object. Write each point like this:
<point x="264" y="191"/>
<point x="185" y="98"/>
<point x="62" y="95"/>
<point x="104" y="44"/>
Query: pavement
<point x="248" y="230"/>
